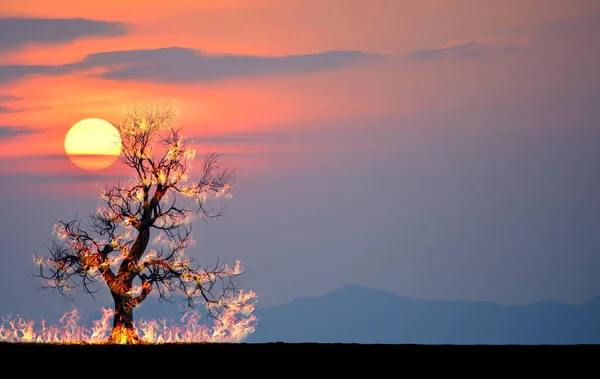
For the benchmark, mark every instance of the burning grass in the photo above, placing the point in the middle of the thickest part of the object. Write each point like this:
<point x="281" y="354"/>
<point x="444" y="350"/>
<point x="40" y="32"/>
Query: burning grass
<point x="233" y="327"/>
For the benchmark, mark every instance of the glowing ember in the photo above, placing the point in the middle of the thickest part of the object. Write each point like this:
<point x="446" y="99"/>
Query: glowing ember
<point x="236" y="323"/>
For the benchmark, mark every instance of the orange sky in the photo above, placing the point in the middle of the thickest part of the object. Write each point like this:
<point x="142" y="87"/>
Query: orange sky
<point x="401" y="127"/>
<point x="259" y="28"/>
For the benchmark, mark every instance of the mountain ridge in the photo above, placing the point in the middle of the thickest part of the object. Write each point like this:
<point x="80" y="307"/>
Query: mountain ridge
<point x="359" y="314"/>
<point x="347" y="287"/>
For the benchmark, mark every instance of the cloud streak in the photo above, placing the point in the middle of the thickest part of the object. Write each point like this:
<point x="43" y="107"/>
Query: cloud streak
<point x="7" y="97"/>
<point x="183" y="65"/>
<point x="4" y="109"/>
<point x="16" y="32"/>
<point x="9" y="110"/>
<point x="466" y="49"/>
<point x="13" y="131"/>
<point x="176" y="64"/>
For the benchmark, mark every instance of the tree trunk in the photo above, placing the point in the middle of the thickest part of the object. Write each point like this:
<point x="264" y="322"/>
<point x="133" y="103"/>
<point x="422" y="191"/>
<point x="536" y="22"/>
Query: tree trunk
<point x="123" y="331"/>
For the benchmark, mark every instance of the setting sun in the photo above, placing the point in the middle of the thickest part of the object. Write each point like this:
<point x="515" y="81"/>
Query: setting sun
<point x="297" y="172"/>
<point x="93" y="144"/>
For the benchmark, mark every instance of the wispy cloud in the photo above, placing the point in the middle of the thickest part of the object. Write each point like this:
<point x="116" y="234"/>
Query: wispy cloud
<point x="180" y="65"/>
<point x="13" y="131"/>
<point x="15" y="32"/>
<point x="9" y="110"/>
<point x="7" y="97"/>
<point x="467" y="48"/>
<point x="183" y="65"/>
<point x="176" y="64"/>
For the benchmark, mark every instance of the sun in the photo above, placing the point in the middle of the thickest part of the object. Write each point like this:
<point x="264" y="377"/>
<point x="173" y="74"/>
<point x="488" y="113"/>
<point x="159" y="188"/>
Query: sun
<point x="93" y="144"/>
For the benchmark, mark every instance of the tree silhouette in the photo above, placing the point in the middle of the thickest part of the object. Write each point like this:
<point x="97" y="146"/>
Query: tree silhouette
<point x="115" y="247"/>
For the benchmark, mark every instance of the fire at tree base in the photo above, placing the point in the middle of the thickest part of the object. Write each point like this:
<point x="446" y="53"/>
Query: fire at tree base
<point x="234" y="326"/>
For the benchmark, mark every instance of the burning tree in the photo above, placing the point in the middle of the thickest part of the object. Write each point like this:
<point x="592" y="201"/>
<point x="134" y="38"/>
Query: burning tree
<point x="115" y="247"/>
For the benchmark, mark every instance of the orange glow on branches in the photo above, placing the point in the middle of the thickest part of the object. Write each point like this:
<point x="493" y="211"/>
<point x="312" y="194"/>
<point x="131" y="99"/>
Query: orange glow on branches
<point x="116" y="247"/>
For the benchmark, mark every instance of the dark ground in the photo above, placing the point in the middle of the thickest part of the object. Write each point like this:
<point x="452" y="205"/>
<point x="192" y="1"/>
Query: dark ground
<point x="284" y="359"/>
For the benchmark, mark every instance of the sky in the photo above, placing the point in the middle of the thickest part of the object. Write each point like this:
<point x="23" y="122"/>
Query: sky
<point x="438" y="149"/>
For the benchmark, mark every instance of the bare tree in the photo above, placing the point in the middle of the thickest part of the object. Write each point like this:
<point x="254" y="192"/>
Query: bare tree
<point x="115" y="247"/>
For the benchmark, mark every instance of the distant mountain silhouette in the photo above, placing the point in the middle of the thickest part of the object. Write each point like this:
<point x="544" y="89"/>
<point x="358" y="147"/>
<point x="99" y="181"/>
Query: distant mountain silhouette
<point x="356" y="314"/>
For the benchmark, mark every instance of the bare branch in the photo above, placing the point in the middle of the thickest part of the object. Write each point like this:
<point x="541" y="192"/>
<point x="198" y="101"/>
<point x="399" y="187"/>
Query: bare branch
<point x="116" y="245"/>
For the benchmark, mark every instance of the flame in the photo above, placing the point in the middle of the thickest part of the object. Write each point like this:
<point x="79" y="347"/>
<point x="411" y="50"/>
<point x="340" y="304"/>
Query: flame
<point x="235" y="324"/>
